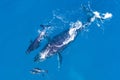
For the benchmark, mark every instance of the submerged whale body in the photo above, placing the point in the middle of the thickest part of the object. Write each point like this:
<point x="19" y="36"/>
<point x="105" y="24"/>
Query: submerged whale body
<point x="58" y="43"/>
<point x="54" y="46"/>
<point x="35" y="44"/>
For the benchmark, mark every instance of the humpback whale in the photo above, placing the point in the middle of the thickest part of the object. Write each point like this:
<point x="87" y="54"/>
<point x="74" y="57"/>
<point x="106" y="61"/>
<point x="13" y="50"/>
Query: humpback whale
<point x="58" y="43"/>
<point x="38" y="71"/>
<point x="35" y="44"/>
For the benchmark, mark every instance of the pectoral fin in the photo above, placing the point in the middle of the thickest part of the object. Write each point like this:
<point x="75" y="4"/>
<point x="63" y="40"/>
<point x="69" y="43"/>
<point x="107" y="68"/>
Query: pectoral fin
<point x="59" y="57"/>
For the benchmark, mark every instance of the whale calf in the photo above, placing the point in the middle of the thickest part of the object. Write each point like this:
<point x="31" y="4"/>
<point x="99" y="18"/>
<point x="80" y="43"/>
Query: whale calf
<point x="35" y="44"/>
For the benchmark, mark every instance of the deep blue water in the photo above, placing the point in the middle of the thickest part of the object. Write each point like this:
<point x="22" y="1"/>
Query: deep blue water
<point x="94" y="55"/>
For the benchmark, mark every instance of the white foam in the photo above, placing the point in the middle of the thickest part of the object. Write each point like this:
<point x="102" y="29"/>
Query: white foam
<point x="99" y="17"/>
<point x="43" y="55"/>
<point x="72" y="31"/>
<point x="97" y="14"/>
<point x="107" y="15"/>
<point x="92" y="19"/>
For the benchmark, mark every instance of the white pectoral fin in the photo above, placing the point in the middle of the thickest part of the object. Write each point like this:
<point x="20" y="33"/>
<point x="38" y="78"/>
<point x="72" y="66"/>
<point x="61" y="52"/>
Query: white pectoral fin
<point x="59" y="57"/>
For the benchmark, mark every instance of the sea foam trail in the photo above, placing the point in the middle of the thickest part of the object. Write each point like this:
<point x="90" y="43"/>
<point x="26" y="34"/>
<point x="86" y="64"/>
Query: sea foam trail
<point x="98" y="17"/>
<point x="74" y="27"/>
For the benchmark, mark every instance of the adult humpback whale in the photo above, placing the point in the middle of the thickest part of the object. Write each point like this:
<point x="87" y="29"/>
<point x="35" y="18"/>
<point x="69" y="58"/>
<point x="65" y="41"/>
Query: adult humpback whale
<point x="58" y="43"/>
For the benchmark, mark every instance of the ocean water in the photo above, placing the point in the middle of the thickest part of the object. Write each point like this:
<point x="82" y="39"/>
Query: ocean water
<point x="93" y="55"/>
